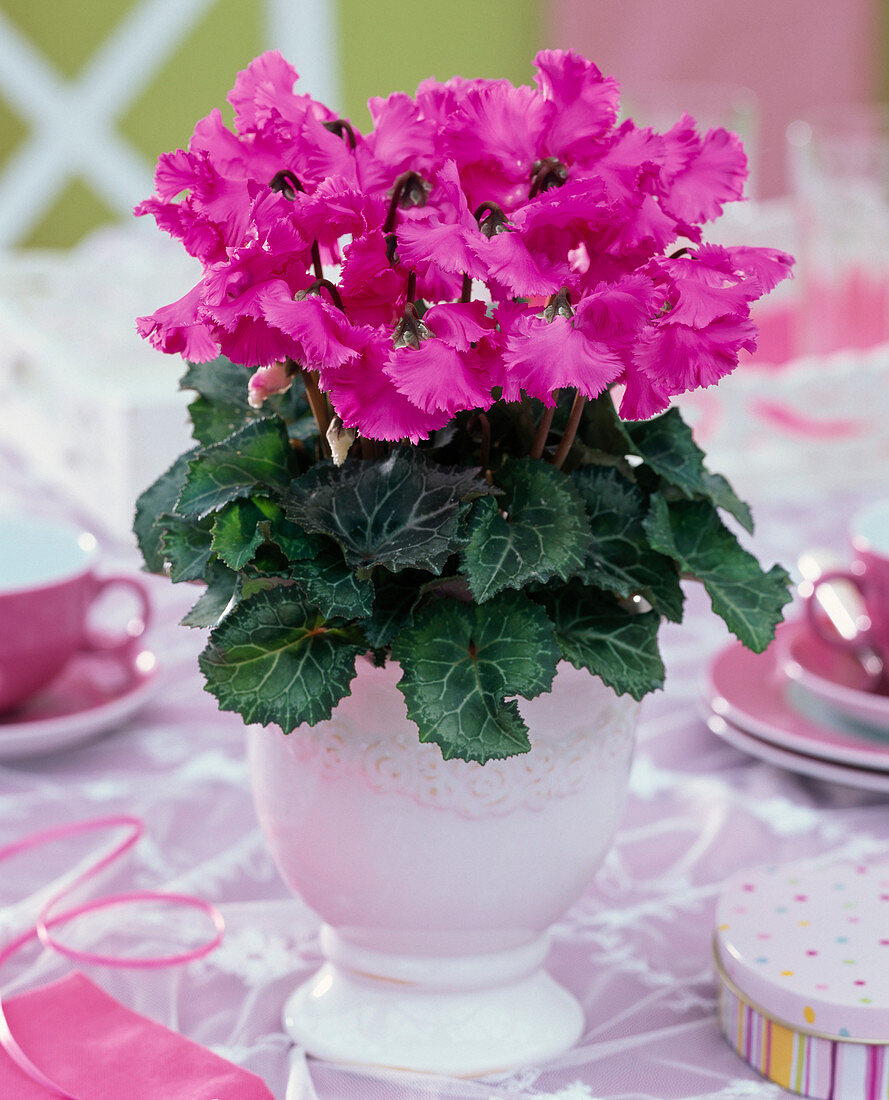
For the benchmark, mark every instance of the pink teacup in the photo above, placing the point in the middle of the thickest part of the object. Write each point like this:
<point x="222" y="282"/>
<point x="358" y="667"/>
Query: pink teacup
<point x="48" y="584"/>
<point x="869" y="573"/>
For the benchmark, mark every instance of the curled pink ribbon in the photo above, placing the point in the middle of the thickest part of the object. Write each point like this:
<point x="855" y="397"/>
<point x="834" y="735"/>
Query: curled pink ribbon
<point x="48" y="919"/>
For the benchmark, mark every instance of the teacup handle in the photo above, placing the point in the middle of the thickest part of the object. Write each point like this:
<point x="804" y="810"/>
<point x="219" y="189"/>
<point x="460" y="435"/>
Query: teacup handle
<point x="816" y="624"/>
<point x="136" y="627"/>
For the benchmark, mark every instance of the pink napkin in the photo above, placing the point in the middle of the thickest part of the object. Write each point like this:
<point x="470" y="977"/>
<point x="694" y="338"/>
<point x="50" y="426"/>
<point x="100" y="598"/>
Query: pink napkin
<point x="87" y="1042"/>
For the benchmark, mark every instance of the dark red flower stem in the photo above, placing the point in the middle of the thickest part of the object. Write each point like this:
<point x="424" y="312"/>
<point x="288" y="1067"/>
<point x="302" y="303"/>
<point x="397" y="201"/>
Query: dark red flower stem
<point x="481" y="422"/>
<point x="318" y="268"/>
<point x="542" y="432"/>
<point x="491" y="219"/>
<point x="317" y="402"/>
<point x="545" y="174"/>
<point x="570" y="430"/>
<point x="466" y="294"/>
<point x="286" y="182"/>
<point x="408" y="190"/>
<point x="342" y="128"/>
<point x="331" y="289"/>
<point x="289" y="186"/>
<point x="411" y="292"/>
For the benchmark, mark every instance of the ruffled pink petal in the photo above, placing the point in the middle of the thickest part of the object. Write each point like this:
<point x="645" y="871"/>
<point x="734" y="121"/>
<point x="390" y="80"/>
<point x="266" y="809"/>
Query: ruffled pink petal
<point x="642" y="398"/>
<point x="254" y="343"/>
<point x="179" y="171"/>
<point x="679" y="358"/>
<point x="713" y="177"/>
<point x="401" y="139"/>
<point x="364" y="397"/>
<point x="439" y="379"/>
<point x="177" y="329"/>
<point x="511" y="263"/>
<point x="699" y="291"/>
<point x="632" y="154"/>
<point x="321" y="334"/>
<point x="373" y="291"/>
<point x="542" y="358"/>
<point x="501" y="123"/>
<point x="200" y="237"/>
<point x="617" y="312"/>
<point x="639" y="228"/>
<point x="585" y="101"/>
<point x="681" y="144"/>
<point x="441" y="243"/>
<point x="495" y="137"/>
<point x="263" y="95"/>
<point x="768" y="266"/>
<point x="459" y="324"/>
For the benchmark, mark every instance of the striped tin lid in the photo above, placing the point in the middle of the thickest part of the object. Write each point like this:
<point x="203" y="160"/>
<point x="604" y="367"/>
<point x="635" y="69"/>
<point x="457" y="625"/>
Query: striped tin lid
<point x="808" y="946"/>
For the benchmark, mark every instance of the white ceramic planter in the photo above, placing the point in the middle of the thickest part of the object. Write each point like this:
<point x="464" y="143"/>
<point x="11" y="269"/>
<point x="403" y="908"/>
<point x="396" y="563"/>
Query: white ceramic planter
<point x="437" y="880"/>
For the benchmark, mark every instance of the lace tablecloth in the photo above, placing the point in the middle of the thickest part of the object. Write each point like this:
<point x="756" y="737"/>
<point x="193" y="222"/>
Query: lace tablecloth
<point x="636" y="950"/>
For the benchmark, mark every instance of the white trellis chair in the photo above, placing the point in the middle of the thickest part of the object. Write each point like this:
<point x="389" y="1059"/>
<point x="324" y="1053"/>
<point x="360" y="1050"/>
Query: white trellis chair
<point x="71" y="128"/>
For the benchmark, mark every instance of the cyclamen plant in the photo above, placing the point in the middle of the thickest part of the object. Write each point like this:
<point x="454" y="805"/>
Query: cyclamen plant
<point x="434" y="367"/>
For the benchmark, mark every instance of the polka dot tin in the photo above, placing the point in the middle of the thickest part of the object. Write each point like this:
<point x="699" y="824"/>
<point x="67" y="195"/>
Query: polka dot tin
<point x="802" y="953"/>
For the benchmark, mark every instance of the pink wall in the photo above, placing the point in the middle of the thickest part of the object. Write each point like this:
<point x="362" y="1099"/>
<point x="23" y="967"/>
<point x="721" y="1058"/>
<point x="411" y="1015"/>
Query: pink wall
<point x="793" y="54"/>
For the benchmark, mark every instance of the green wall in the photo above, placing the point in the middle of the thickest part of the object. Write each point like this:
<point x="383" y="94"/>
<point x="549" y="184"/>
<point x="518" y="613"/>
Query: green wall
<point x="389" y="46"/>
<point x="384" y="46"/>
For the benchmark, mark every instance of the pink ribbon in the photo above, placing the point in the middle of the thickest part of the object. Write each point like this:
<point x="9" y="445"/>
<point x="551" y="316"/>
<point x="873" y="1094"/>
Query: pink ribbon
<point x="48" y="919"/>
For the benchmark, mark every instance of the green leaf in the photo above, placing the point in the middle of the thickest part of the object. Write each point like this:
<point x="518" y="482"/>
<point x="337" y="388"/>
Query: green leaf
<point x="398" y="512"/>
<point x="746" y="598"/>
<point x="157" y="500"/>
<point x="187" y="545"/>
<point x="236" y="533"/>
<point x="222" y="586"/>
<point x="545" y="532"/>
<point x="221" y="406"/>
<point x="620" y="558"/>
<point x="243" y="526"/>
<point x="255" y="459"/>
<point x="273" y="658"/>
<point x="667" y="446"/>
<point x="332" y="586"/>
<point x="461" y="661"/>
<point x="395" y="596"/>
<point x="596" y="633"/>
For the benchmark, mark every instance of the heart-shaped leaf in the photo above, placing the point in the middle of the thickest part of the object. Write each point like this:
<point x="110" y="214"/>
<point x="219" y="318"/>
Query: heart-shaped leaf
<point x="159" y="500"/>
<point x="241" y="527"/>
<point x="398" y="512"/>
<point x="596" y="633"/>
<point x="186" y="545"/>
<point x="334" y="588"/>
<point x="668" y="447"/>
<point x="273" y="658"/>
<point x="460" y="664"/>
<point x="222" y="587"/>
<point x="620" y="558"/>
<point x="746" y="598"/>
<point x="256" y="459"/>
<point x="544" y="532"/>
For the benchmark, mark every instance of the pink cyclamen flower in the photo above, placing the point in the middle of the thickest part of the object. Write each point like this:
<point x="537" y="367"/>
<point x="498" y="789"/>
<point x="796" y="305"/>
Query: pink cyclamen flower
<point x="418" y="300"/>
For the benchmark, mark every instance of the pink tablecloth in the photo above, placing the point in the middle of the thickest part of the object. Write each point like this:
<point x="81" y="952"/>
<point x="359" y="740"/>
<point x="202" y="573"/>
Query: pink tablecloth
<point x="636" y="950"/>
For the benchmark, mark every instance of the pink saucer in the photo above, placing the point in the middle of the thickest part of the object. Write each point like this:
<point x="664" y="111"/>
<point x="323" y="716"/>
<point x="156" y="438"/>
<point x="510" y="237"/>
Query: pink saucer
<point x="850" y="776"/>
<point x="836" y="677"/>
<point x="94" y="693"/>
<point x="753" y="693"/>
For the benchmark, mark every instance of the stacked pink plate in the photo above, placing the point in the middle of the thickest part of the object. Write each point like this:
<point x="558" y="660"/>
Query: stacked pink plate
<point x="802" y="705"/>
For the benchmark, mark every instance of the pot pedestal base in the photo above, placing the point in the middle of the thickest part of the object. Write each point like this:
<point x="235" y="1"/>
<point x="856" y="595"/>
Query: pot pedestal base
<point x="463" y="1016"/>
